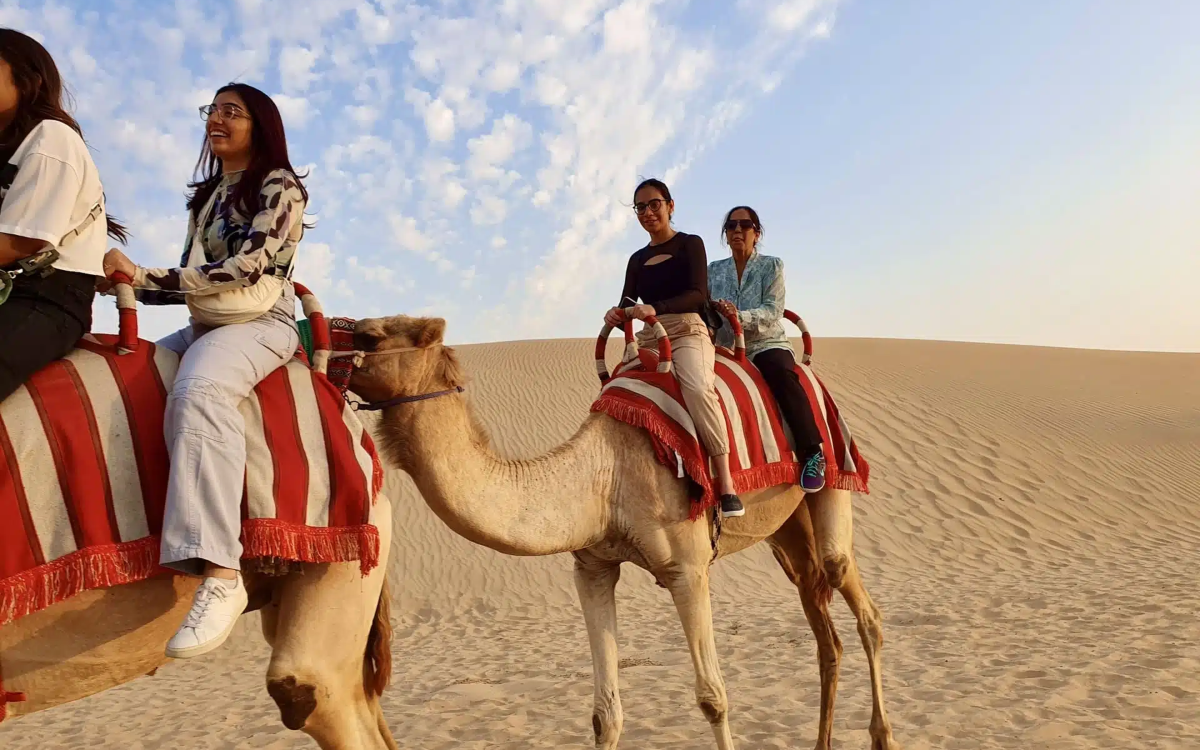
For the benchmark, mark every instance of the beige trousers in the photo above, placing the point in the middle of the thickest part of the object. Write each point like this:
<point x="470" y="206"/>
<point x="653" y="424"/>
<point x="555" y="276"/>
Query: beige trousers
<point x="694" y="358"/>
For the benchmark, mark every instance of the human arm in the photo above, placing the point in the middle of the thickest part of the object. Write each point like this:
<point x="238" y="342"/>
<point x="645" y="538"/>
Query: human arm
<point x="14" y="247"/>
<point x="755" y="320"/>
<point x="282" y="204"/>
<point x="628" y="292"/>
<point x="695" y="292"/>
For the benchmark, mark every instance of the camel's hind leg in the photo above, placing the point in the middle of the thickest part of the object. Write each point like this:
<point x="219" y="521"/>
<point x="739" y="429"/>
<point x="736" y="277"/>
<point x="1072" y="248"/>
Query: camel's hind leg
<point x="596" y="583"/>
<point x="331" y="650"/>
<point x="833" y="526"/>
<point x="795" y="549"/>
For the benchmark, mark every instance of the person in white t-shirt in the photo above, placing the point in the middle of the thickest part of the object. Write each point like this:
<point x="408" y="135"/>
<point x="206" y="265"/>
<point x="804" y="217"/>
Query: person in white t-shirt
<point x="51" y="201"/>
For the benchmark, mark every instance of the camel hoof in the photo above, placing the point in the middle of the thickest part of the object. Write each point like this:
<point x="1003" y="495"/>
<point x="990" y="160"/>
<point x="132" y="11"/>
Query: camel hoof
<point x="296" y="701"/>
<point x="836" y="569"/>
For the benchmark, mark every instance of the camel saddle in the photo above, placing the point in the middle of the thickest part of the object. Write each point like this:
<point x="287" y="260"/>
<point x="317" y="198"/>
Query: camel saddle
<point x="83" y="480"/>
<point x="644" y="393"/>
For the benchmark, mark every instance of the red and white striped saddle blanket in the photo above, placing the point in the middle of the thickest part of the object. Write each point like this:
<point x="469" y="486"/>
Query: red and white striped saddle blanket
<point x="762" y="450"/>
<point x="83" y="475"/>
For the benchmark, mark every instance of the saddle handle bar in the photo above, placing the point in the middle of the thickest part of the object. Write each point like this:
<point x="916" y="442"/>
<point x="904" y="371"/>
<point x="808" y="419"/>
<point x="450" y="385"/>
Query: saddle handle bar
<point x="127" y="322"/>
<point x="661" y="363"/>
<point x="729" y="312"/>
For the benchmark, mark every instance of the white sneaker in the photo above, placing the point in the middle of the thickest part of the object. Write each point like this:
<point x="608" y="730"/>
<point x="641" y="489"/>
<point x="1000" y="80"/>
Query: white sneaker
<point x="215" y="610"/>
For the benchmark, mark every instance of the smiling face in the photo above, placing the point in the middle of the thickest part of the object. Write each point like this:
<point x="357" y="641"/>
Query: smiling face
<point x="740" y="232"/>
<point x="653" y="210"/>
<point x="229" y="129"/>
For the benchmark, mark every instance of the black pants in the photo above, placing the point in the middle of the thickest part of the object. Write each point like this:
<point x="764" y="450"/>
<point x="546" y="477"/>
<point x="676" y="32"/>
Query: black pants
<point x="41" y="322"/>
<point x="778" y="369"/>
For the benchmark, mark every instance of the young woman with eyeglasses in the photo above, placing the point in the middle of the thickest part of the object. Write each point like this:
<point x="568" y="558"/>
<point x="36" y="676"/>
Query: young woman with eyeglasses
<point x="750" y="285"/>
<point x="245" y="220"/>
<point x="670" y="277"/>
<point x="52" y="216"/>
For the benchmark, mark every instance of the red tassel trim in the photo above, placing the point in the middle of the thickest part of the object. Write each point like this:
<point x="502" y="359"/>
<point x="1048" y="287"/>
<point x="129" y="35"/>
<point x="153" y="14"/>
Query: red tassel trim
<point x="695" y="463"/>
<point x="268" y="537"/>
<point x="92" y="568"/>
<point x="6" y="698"/>
<point x="112" y="565"/>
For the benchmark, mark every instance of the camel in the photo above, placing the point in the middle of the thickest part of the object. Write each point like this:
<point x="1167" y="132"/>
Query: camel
<point x="327" y="625"/>
<point x="604" y="498"/>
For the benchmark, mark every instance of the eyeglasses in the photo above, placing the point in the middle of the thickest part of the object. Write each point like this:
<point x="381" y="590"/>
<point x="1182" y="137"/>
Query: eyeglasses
<point x="653" y="204"/>
<point x="225" y="111"/>
<point x="745" y="224"/>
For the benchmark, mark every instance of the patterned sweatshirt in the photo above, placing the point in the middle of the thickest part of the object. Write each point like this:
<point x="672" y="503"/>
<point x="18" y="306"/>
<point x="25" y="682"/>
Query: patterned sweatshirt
<point x="236" y="250"/>
<point x="758" y="298"/>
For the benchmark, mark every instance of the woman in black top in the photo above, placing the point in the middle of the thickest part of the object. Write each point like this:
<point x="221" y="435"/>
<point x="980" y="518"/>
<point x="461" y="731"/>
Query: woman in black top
<point x="670" y="277"/>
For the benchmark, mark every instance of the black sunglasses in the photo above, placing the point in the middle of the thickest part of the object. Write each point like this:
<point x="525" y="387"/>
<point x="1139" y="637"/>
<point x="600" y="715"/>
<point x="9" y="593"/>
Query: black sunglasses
<point x="745" y="224"/>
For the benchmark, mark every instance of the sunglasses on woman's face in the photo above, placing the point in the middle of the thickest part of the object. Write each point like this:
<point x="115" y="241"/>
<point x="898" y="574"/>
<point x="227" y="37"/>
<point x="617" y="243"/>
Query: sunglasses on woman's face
<point x="744" y="224"/>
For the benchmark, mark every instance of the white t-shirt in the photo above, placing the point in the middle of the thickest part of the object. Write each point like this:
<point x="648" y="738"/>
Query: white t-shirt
<point x="55" y="188"/>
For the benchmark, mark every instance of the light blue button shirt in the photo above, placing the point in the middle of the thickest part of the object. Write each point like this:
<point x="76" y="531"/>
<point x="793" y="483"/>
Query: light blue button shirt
<point x="758" y="298"/>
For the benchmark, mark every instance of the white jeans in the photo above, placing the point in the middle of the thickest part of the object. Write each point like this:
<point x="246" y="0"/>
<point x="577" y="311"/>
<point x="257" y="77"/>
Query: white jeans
<point x="206" y="434"/>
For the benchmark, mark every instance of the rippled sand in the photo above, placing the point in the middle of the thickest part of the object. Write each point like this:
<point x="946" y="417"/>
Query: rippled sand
<point x="1032" y="537"/>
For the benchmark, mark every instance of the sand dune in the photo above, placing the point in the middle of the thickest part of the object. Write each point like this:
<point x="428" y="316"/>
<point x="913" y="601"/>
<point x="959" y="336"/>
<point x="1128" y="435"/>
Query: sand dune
<point x="1032" y="537"/>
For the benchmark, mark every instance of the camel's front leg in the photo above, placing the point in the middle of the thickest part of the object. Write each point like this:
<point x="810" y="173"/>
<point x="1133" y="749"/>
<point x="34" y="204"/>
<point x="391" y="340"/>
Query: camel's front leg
<point x="596" y="583"/>
<point x="689" y="589"/>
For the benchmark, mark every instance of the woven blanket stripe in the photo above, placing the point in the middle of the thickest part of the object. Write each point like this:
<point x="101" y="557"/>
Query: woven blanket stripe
<point x="762" y="448"/>
<point x="84" y="474"/>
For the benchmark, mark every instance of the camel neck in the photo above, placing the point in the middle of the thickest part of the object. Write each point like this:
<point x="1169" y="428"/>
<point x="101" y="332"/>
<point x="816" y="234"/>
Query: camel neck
<point x="543" y="506"/>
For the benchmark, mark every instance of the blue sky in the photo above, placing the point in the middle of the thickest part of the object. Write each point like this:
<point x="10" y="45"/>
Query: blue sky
<point x="1012" y="172"/>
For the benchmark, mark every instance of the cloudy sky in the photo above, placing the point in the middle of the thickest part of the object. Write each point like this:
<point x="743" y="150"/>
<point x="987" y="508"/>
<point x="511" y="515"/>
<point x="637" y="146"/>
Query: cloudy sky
<point x="1022" y="172"/>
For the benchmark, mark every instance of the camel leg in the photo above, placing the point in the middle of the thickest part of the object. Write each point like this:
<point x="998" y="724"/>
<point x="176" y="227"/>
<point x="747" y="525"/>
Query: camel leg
<point x="832" y="517"/>
<point x="330" y="632"/>
<point x="597" y="584"/>
<point x="795" y="550"/>
<point x="833" y="527"/>
<point x="689" y="589"/>
<point x="870" y="629"/>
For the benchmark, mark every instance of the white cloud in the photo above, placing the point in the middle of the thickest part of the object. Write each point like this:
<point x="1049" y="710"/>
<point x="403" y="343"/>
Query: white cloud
<point x="296" y="68"/>
<point x="295" y="110"/>
<point x="314" y="267"/>
<point x="489" y="210"/>
<point x="409" y="236"/>
<point x="491" y="151"/>
<point x="430" y="125"/>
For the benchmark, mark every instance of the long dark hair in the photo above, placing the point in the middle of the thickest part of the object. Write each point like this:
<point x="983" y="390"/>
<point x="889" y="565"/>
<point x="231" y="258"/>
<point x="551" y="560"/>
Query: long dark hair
<point x="268" y="146"/>
<point x="42" y="98"/>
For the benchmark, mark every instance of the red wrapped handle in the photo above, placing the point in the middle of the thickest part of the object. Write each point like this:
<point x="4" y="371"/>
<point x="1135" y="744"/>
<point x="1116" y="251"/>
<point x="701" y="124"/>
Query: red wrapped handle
<point x="661" y="363"/>
<point x="127" y="324"/>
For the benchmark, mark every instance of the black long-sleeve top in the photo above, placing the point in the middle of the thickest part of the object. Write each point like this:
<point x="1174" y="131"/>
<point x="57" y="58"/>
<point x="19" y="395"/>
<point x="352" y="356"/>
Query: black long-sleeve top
<point x="678" y="284"/>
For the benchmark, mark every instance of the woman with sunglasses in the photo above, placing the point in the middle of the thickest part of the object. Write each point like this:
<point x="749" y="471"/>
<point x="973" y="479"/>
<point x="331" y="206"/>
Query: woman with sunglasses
<point x="750" y="285"/>
<point x="52" y="216"/>
<point x="245" y="220"/>
<point x="670" y="276"/>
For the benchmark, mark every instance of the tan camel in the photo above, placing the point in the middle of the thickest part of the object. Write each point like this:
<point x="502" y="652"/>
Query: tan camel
<point x="327" y="625"/>
<point x="603" y="497"/>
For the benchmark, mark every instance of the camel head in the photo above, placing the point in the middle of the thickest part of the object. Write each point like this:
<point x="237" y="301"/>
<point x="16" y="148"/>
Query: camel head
<point x="412" y="359"/>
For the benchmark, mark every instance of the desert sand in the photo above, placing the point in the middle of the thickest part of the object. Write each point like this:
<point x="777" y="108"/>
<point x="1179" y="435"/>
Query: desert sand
<point x="1032" y="538"/>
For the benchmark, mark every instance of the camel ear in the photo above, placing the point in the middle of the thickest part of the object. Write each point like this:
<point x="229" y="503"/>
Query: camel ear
<point x="431" y="332"/>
